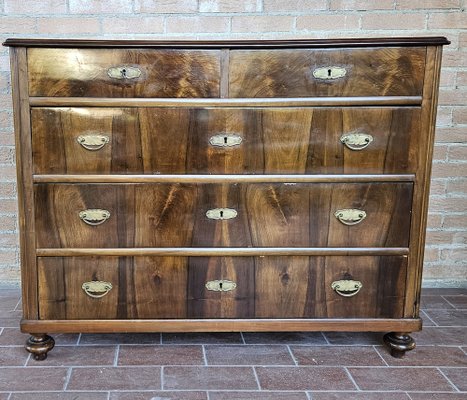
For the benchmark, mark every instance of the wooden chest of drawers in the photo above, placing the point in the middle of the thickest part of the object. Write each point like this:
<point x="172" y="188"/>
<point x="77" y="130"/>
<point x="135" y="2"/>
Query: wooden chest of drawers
<point x="223" y="186"/>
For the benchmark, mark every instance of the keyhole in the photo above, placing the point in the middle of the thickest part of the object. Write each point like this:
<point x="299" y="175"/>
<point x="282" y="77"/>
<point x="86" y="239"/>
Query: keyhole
<point x="225" y="139"/>
<point x="124" y="72"/>
<point x="329" y="72"/>
<point x="220" y="285"/>
<point x="221" y="214"/>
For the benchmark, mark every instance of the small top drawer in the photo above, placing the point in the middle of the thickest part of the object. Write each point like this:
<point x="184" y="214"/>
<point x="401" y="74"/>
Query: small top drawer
<point x="123" y="73"/>
<point x="388" y="71"/>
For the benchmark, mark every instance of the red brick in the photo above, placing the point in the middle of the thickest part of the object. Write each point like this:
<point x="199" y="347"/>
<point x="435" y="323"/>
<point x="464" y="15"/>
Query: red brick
<point x="229" y="6"/>
<point x="293" y="5"/>
<point x="450" y="204"/>
<point x="459" y="115"/>
<point x="7" y="191"/>
<point x="262" y="395"/>
<point x="248" y="355"/>
<point x="391" y="20"/>
<point x="458" y="186"/>
<point x="431" y="255"/>
<point x="458" y="153"/>
<point x="76" y="25"/>
<point x="161" y="355"/>
<point x="37" y="379"/>
<point x="7" y="155"/>
<point x="427" y="4"/>
<point x="17" y="25"/>
<point x="452" y="96"/>
<point x="166" y="6"/>
<point x="8" y="205"/>
<point x="445" y="271"/>
<point x="447" y="21"/>
<point x="4" y="81"/>
<point x="32" y="7"/>
<point x="8" y="257"/>
<point x="455" y="221"/>
<point x="164" y="395"/>
<point x="8" y="172"/>
<point x="361" y="5"/>
<point x="7" y="223"/>
<point x="462" y="78"/>
<point x="262" y="23"/>
<point x="444" y="116"/>
<point x="439" y="238"/>
<point x="327" y="22"/>
<point x="463" y="39"/>
<point x="451" y="134"/>
<point x="453" y="58"/>
<point x="336" y="355"/>
<point x="197" y="24"/>
<point x="447" y="169"/>
<point x="138" y="24"/>
<point x="448" y="78"/>
<point x="440" y="152"/>
<point x="8" y="239"/>
<point x="435" y="221"/>
<point x="438" y="187"/>
<point x="100" y="7"/>
<point x="454" y="255"/>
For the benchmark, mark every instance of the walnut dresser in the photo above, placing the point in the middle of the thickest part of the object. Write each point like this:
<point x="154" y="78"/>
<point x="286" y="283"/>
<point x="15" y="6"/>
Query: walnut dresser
<point x="223" y="186"/>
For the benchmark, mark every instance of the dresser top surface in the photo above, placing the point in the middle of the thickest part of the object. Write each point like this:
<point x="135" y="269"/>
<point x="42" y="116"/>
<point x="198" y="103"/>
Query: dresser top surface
<point x="242" y="44"/>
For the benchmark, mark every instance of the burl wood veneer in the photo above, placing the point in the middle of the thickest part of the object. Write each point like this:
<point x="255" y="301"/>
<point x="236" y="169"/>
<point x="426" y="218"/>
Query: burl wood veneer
<point x="223" y="186"/>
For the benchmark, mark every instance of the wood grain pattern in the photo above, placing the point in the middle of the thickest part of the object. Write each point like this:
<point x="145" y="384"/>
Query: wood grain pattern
<point x="269" y="215"/>
<point x="83" y="72"/>
<point x="158" y="287"/>
<point x="289" y="73"/>
<point x="274" y="140"/>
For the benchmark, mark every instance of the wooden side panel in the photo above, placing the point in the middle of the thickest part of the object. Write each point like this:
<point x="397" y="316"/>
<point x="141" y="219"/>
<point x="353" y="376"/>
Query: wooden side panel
<point x="84" y="73"/>
<point x="297" y="287"/>
<point x="388" y="71"/>
<point x="274" y="140"/>
<point x="268" y="215"/>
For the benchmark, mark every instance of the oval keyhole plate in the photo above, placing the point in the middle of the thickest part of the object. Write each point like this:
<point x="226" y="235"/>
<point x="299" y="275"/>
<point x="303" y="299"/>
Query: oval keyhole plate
<point x="221" y="213"/>
<point x="225" y="140"/>
<point x="222" y="285"/>
<point x="329" y="73"/>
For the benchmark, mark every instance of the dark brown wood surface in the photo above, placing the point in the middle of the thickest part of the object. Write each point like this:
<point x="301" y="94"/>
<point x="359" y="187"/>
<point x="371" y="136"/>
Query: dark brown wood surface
<point x="176" y="140"/>
<point x="268" y="287"/>
<point x="83" y="72"/>
<point x="289" y="73"/>
<point x="269" y="215"/>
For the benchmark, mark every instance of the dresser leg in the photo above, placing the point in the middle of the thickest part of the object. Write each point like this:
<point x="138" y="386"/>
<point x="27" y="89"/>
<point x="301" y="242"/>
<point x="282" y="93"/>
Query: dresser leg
<point x="39" y="344"/>
<point x="399" y="343"/>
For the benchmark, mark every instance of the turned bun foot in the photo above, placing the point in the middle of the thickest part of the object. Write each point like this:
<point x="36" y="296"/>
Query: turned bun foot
<point x="399" y="343"/>
<point x="39" y="345"/>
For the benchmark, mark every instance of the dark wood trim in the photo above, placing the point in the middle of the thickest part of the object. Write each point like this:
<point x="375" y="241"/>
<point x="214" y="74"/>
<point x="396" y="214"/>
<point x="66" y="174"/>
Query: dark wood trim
<point x="237" y="44"/>
<point x="222" y="325"/>
<point x="226" y="102"/>
<point x="24" y="169"/>
<point x="220" y="178"/>
<point x="225" y="251"/>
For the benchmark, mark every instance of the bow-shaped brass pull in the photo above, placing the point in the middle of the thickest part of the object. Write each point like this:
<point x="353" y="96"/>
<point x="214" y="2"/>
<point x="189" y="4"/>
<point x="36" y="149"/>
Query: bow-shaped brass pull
<point x="350" y="216"/>
<point x="96" y="289"/>
<point x="346" y="287"/>
<point x="93" y="142"/>
<point x="94" y="216"/>
<point x="356" y="141"/>
<point x="124" y="72"/>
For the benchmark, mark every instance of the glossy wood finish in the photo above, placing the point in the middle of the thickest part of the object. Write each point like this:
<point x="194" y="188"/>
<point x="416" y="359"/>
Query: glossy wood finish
<point x="177" y="140"/>
<point x="388" y="71"/>
<point x="269" y="215"/>
<point x="164" y="73"/>
<point x="269" y="287"/>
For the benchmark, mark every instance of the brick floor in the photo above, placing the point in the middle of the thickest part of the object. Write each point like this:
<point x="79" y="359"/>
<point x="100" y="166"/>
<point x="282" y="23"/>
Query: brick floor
<point x="236" y="366"/>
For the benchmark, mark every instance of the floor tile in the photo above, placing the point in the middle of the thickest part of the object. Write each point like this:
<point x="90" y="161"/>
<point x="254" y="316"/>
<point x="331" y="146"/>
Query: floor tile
<point x="448" y="317"/>
<point x="443" y="291"/>
<point x="458" y="376"/>
<point x="359" y="396"/>
<point x="4" y="396"/>
<point x="13" y="337"/>
<point x="449" y="336"/>
<point x="336" y="355"/>
<point x="354" y="338"/>
<point x="257" y="396"/>
<point x="161" y="355"/>
<point x="284" y="338"/>
<point x="10" y="319"/>
<point x="437" y="396"/>
<point x="121" y="378"/>
<point x="120" y="338"/>
<point x="202" y="338"/>
<point x="60" y="396"/>
<point x="32" y="379"/>
<point x="434" y="302"/>
<point x="427" y="356"/>
<point x="80" y="356"/>
<point x="303" y="378"/>
<point x="13" y="356"/>
<point x="209" y="378"/>
<point x="426" y="320"/>
<point x="457" y="301"/>
<point x="161" y="395"/>
<point x="8" y="303"/>
<point x="248" y="355"/>
<point x="429" y="379"/>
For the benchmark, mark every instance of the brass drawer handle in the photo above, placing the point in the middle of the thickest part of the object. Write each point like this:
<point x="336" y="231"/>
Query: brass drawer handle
<point x="225" y="140"/>
<point x="93" y="142"/>
<point x="96" y="289"/>
<point x="222" y="285"/>
<point x="221" y="213"/>
<point x="346" y="288"/>
<point x="350" y="216"/>
<point x="329" y="73"/>
<point x="356" y="141"/>
<point x="94" y="216"/>
<point x="124" y="72"/>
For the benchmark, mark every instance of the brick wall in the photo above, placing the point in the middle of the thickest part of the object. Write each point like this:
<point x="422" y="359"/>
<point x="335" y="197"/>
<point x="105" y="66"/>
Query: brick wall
<point x="446" y="253"/>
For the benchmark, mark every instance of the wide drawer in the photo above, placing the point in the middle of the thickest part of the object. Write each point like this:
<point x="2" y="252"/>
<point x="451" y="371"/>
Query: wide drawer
<point x="390" y="71"/>
<point x="219" y="141"/>
<point x="190" y="287"/>
<point x="223" y="215"/>
<point x="123" y="73"/>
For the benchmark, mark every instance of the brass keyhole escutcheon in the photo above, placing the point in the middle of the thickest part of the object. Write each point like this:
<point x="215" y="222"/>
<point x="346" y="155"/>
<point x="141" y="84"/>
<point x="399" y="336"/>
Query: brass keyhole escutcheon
<point x="221" y="285"/>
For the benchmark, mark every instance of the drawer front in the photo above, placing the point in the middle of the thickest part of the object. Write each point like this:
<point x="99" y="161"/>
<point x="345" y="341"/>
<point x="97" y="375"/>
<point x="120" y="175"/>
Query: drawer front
<point x="123" y="73"/>
<point x="223" y="215"/>
<point x="219" y="141"/>
<point x="331" y="72"/>
<point x="189" y="287"/>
